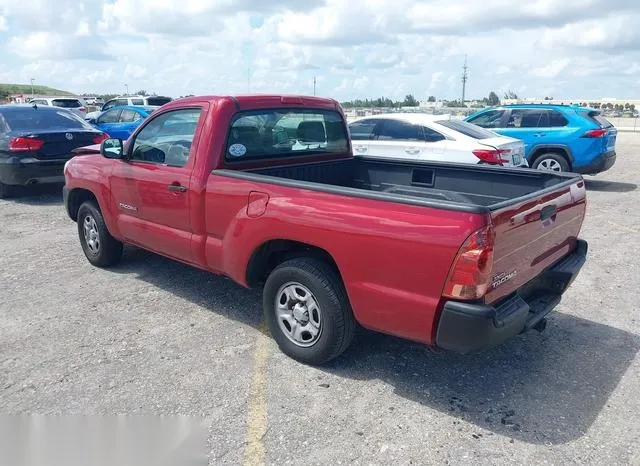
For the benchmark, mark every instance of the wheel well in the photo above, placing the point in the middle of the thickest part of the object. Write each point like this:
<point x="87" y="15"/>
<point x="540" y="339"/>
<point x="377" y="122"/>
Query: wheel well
<point x="551" y="150"/>
<point x="273" y="253"/>
<point x="76" y="198"/>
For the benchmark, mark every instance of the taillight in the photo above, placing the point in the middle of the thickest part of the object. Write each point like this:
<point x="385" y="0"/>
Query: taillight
<point x="21" y="144"/>
<point x="595" y="133"/>
<point x="491" y="155"/>
<point x="470" y="274"/>
<point x="100" y="137"/>
<point x="83" y="109"/>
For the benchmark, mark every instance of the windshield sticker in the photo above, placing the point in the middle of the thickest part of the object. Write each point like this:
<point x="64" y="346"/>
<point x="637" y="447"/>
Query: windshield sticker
<point x="237" y="150"/>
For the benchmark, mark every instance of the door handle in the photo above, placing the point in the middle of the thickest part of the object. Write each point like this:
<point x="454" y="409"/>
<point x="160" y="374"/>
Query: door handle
<point x="177" y="188"/>
<point x="360" y="148"/>
<point x="539" y="135"/>
<point x="412" y="150"/>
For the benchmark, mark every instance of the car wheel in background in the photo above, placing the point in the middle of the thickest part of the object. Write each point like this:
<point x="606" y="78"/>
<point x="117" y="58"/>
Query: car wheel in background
<point x="307" y="310"/>
<point x="552" y="162"/>
<point x="101" y="249"/>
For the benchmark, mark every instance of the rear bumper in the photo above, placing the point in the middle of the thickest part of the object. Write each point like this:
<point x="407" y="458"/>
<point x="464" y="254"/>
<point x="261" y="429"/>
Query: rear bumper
<point x="28" y="170"/>
<point x="469" y="327"/>
<point x="601" y="163"/>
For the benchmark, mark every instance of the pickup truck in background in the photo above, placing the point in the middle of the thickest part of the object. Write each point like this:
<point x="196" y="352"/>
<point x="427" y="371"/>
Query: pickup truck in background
<point x="266" y="190"/>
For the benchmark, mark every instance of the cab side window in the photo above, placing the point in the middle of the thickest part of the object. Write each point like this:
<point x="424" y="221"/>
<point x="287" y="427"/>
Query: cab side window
<point x="167" y="138"/>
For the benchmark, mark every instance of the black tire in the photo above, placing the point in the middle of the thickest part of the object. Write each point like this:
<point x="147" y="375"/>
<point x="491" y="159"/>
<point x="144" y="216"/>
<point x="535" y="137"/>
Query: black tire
<point x="337" y="324"/>
<point x="548" y="159"/>
<point x="5" y="191"/>
<point x="108" y="250"/>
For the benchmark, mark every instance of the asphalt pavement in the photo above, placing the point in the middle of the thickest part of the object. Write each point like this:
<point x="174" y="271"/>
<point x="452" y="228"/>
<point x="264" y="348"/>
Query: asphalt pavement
<point x="152" y="336"/>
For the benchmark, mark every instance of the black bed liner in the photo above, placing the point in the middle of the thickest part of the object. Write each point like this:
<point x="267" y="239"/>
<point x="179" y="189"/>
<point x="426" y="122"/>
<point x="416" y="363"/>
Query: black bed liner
<point x="474" y="188"/>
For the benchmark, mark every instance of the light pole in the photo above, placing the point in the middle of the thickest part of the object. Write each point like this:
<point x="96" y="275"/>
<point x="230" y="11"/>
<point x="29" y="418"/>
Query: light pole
<point x="32" y="88"/>
<point x="126" y="88"/>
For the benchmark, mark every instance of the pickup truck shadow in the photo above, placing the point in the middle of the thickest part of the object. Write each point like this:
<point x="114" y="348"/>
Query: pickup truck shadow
<point x="610" y="186"/>
<point x="45" y="194"/>
<point x="538" y="388"/>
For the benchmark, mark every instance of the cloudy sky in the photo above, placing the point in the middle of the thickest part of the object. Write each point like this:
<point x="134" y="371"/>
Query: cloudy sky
<point x="356" y="48"/>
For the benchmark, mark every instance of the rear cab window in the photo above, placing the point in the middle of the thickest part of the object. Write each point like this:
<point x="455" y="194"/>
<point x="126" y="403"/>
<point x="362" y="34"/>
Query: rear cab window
<point x="277" y="133"/>
<point x="137" y="101"/>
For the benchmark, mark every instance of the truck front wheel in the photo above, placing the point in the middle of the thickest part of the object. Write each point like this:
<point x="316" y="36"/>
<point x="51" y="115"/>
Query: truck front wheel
<point x="101" y="249"/>
<point x="307" y="310"/>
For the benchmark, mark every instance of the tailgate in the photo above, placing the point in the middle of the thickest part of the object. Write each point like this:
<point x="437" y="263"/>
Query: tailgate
<point x="534" y="234"/>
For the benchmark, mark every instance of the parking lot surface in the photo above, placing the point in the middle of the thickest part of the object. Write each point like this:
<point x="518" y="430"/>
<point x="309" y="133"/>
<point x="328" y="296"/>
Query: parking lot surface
<point x="152" y="336"/>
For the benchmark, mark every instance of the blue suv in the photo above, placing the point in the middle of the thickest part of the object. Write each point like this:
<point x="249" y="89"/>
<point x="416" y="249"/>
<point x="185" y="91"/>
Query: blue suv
<point x="556" y="137"/>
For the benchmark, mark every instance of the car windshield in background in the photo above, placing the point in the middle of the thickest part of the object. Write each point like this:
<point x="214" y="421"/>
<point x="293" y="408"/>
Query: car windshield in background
<point x="158" y="101"/>
<point x="282" y="133"/>
<point x="67" y="103"/>
<point x="468" y="129"/>
<point x="29" y="119"/>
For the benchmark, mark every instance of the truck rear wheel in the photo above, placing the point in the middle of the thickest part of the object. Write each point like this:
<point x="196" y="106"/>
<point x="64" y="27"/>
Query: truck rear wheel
<point x="307" y="310"/>
<point x="100" y="248"/>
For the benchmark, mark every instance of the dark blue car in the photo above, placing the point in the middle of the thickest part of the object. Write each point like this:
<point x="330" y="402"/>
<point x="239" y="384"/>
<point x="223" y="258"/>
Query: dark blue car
<point x="120" y="122"/>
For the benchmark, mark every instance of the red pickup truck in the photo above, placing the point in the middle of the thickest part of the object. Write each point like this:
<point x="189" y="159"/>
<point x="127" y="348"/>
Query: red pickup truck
<point x="266" y="190"/>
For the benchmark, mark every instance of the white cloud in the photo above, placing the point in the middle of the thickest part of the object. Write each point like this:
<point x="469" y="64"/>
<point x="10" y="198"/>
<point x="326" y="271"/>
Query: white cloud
<point x="552" y="70"/>
<point x="356" y="48"/>
<point x="134" y="71"/>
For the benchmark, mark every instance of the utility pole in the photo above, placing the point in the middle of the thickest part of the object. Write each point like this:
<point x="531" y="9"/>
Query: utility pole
<point x="314" y="85"/>
<point x="32" y="88"/>
<point x="464" y="79"/>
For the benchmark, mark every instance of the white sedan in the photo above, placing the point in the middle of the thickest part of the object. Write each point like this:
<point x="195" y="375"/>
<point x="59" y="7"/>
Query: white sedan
<point x="418" y="136"/>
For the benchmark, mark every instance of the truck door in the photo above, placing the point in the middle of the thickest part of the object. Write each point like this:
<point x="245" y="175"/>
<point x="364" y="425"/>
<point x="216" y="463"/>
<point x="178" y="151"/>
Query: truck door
<point x="151" y="188"/>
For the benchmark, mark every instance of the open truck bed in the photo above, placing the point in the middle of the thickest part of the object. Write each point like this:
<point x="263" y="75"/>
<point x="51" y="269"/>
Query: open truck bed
<point x="440" y="185"/>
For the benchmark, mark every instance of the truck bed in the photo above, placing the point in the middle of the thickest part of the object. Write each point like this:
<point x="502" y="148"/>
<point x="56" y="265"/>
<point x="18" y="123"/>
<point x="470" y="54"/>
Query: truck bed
<point x="445" y="185"/>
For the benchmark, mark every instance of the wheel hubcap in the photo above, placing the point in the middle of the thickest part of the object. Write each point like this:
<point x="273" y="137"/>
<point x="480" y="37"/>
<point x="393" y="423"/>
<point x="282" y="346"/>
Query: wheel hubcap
<point x="550" y="164"/>
<point x="298" y="314"/>
<point x="91" y="236"/>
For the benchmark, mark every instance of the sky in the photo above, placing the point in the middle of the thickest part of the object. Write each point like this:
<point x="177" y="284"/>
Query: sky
<point x="354" y="48"/>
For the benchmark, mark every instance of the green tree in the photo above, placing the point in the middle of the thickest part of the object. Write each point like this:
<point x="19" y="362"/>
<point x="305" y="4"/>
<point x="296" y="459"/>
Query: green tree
<point x="454" y="103"/>
<point x="510" y="95"/>
<point x="431" y="98"/>
<point x="142" y="92"/>
<point x="410" y="101"/>
<point x="493" y="99"/>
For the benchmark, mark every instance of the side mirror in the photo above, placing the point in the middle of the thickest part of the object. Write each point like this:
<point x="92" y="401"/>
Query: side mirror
<point x="112" y="148"/>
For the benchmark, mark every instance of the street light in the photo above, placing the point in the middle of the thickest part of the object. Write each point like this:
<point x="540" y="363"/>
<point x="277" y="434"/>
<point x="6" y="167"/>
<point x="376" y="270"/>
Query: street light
<point x="32" y="81"/>
<point x="126" y="87"/>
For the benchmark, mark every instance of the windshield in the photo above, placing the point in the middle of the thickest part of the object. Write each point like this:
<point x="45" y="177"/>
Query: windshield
<point x="284" y="133"/>
<point x="468" y="129"/>
<point x="30" y="119"/>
